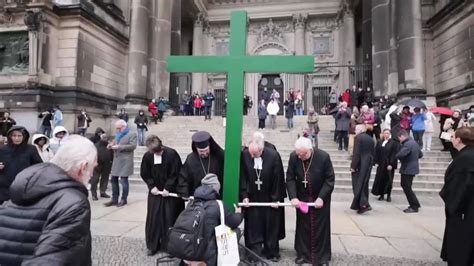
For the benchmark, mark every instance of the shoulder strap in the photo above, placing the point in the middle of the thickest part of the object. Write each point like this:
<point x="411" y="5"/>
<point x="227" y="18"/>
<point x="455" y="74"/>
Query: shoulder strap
<point x="221" y="209"/>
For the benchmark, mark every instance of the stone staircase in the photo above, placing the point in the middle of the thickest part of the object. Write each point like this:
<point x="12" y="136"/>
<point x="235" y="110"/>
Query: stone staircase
<point x="176" y="132"/>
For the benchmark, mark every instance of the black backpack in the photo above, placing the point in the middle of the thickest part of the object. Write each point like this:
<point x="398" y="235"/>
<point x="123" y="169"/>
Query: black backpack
<point x="186" y="238"/>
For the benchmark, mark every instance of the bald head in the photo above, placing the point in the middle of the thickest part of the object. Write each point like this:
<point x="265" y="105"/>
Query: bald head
<point x="255" y="150"/>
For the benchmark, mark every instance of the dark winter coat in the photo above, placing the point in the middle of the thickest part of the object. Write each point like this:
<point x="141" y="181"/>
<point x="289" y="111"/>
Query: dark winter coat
<point x="104" y="156"/>
<point x="141" y="121"/>
<point x="82" y="119"/>
<point x="15" y="158"/>
<point x="409" y="155"/>
<point x="96" y="138"/>
<point x="262" y="112"/>
<point x="343" y="120"/>
<point x="123" y="116"/>
<point x="290" y="109"/>
<point x="47" y="221"/>
<point x="47" y="118"/>
<point x="213" y="219"/>
<point x="208" y="99"/>
<point x="5" y="125"/>
<point x="354" y="98"/>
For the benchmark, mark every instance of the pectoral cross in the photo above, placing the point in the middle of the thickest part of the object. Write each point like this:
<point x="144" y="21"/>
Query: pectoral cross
<point x="305" y="182"/>
<point x="258" y="183"/>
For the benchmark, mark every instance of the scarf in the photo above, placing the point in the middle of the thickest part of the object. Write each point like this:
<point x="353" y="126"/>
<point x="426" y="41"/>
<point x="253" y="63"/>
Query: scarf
<point x="120" y="135"/>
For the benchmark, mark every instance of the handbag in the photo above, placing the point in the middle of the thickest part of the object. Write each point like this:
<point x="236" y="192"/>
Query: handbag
<point x="227" y="244"/>
<point x="446" y="136"/>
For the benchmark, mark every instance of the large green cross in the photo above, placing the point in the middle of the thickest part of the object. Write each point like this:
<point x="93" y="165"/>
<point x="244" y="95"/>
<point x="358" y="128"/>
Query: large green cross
<point x="236" y="65"/>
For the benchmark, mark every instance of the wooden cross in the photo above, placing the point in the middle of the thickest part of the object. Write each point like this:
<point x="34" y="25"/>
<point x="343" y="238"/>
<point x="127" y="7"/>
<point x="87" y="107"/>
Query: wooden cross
<point x="236" y="64"/>
<point x="258" y="183"/>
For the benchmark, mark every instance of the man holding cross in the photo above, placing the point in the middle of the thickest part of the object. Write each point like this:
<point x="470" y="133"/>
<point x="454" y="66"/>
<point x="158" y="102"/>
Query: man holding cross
<point x="262" y="180"/>
<point x="310" y="178"/>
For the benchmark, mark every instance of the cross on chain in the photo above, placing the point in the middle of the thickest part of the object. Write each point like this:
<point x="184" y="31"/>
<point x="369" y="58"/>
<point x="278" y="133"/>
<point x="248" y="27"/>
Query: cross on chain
<point x="258" y="183"/>
<point x="305" y="182"/>
<point x="236" y="64"/>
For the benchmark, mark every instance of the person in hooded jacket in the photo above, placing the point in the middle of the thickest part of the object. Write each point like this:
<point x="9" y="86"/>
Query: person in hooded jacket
<point x="142" y="125"/>
<point x="47" y="221"/>
<point x="41" y="142"/>
<point x="101" y="173"/>
<point x="15" y="156"/>
<point x="208" y="192"/>
<point x="96" y="138"/>
<point x="60" y="136"/>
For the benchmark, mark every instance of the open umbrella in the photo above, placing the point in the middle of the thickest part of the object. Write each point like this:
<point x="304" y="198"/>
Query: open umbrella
<point x="442" y="111"/>
<point x="412" y="103"/>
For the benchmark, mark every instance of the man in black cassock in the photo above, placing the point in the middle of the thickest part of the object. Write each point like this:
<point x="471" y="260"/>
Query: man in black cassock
<point x="262" y="180"/>
<point x="361" y="169"/>
<point x="159" y="169"/>
<point x="207" y="157"/>
<point x="385" y="152"/>
<point x="310" y="178"/>
<point x="458" y="197"/>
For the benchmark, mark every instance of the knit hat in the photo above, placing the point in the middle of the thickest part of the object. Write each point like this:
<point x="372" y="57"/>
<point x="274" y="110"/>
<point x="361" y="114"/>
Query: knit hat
<point x="212" y="181"/>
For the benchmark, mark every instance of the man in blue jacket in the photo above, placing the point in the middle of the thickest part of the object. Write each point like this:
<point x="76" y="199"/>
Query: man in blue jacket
<point x="409" y="155"/>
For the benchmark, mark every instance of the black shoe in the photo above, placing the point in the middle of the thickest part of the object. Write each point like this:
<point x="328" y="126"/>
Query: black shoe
<point x="389" y="199"/>
<point x="122" y="203"/>
<point x="110" y="203"/>
<point x="104" y="195"/>
<point x="94" y="197"/>
<point x="150" y="252"/>
<point x="381" y="197"/>
<point x="410" y="210"/>
<point x="364" y="209"/>
<point x="274" y="259"/>
<point x="301" y="261"/>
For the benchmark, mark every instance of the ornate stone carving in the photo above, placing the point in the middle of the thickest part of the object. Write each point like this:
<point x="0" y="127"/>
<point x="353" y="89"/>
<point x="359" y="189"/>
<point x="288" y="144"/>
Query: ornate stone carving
<point x="299" y="20"/>
<point x="219" y="30"/>
<point x="6" y="17"/>
<point x="270" y="45"/>
<point x="322" y="23"/>
<point x="33" y="20"/>
<point x="270" y="32"/>
<point x="200" y="20"/>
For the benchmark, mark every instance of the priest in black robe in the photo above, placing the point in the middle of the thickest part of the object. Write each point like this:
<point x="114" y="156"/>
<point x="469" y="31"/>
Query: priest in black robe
<point x="206" y="157"/>
<point x="310" y="178"/>
<point x="458" y="197"/>
<point x="386" y="162"/>
<point x="262" y="180"/>
<point x="159" y="169"/>
<point x="361" y="169"/>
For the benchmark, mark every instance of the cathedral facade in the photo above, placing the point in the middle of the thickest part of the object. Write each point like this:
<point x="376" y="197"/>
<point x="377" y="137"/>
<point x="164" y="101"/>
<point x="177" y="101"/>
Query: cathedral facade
<point x="106" y="54"/>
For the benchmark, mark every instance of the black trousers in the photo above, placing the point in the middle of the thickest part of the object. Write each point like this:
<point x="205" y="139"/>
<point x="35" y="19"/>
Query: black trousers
<point x="377" y="131"/>
<point x="343" y="137"/>
<point x="101" y="173"/>
<point x="406" y="183"/>
<point x="261" y="123"/>
<point x="160" y="115"/>
<point x="418" y="137"/>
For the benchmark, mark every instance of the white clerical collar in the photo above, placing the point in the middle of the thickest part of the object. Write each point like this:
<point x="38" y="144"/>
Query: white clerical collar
<point x="257" y="163"/>
<point x="384" y="142"/>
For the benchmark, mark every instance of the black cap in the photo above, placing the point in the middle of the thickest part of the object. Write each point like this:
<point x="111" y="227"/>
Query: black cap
<point x="201" y="139"/>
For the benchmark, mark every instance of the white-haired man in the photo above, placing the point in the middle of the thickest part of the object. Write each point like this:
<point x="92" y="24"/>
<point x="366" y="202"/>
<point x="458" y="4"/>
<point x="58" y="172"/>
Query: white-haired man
<point x="310" y="178"/>
<point x="47" y="221"/>
<point x="361" y="169"/>
<point x="262" y="180"/>
<point x="122" y="166"/>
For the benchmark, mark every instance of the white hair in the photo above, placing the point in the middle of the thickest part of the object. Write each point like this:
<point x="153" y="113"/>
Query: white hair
<point x="121" y="123"/>
<point x="74" y="152"/>
<point x="303" y="143"/>
<point x="364" y="108"/>
<point x="360" y="129"/>
<point x="258" y="139"/>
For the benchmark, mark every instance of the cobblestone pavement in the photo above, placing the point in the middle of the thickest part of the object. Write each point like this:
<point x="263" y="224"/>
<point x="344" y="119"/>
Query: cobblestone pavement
<point x="383" y="236"/>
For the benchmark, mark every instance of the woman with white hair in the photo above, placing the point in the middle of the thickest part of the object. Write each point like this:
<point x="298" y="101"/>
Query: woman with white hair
<point x="310" y="178"/>
<point x="53" y="226"/>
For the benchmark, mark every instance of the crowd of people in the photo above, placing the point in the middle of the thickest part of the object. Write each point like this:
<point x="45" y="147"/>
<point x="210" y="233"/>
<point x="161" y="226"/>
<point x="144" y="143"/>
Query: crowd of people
<point x="196" y="104"/>
<point x="34" y="176"/>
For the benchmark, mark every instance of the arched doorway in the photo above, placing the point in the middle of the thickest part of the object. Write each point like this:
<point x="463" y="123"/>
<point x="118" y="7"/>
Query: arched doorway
<point x="272" y="82"/>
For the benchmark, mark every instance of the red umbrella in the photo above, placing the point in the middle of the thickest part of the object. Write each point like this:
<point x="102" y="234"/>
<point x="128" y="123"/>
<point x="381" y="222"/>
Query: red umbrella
<point x="442" y="111"/>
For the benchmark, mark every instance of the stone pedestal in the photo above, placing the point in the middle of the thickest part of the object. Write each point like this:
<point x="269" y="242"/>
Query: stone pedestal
<point x="410" y="44"/>
<point x="138" y="52"/>
<point x="197" y="78"/>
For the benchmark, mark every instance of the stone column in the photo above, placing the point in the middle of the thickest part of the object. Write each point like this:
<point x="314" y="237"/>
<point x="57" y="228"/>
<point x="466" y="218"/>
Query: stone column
<point x="409" y="35"/>
<point x="160" y="48"/>
<point x="138" y="52"/>
<point x="197" y="78"/>
<point x="349" y="43"/>
<point x="175" y="88"/>
<point x="393" y="52"/>
<point x="380" y="45"/>
<point x="299" y="21"/>
<point x="33" y="21"/>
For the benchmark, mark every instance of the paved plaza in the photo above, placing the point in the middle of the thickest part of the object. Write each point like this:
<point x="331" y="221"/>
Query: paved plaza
<point x="383" y="236"/>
